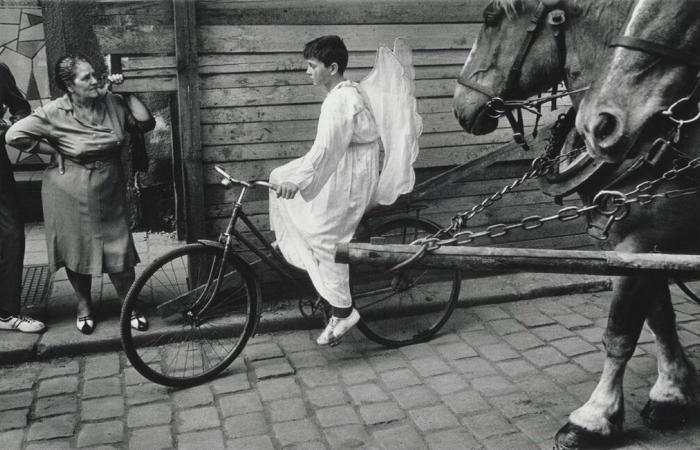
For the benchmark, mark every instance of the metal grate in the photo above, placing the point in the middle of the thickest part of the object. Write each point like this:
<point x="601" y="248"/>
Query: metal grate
<point x="36" y="286"/>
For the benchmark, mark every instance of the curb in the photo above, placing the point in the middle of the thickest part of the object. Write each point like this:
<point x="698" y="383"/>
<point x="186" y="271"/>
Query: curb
<point x="62" y="339"/>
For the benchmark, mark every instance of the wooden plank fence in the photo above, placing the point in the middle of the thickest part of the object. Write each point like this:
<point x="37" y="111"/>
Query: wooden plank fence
<point x="257" y="109"/>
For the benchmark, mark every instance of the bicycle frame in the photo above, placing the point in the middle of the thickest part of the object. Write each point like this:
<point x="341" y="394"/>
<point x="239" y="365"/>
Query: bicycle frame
<point x="211" y="281"/>
<point x="276" y="262"/>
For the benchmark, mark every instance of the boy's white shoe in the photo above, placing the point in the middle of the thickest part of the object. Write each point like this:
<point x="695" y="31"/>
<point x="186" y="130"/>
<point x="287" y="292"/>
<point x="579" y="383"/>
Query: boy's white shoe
<point x="21" y="323"/>
<point x="337" y="327"/>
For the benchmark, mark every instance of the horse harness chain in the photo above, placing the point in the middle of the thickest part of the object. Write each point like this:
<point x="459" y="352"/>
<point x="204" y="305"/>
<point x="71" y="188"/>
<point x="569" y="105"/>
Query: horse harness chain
<point x="612" y="204"/>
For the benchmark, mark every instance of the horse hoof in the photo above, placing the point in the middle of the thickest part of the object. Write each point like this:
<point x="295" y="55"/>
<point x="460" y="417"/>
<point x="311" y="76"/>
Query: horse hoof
<point x="664" y="416"/>
<point x="572" y="436"/>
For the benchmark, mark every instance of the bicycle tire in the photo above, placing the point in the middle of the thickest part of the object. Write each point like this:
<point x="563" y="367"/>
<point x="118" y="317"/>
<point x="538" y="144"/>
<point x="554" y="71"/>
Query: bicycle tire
<point x="408" y="313"/>
<point x="174" y="294"/>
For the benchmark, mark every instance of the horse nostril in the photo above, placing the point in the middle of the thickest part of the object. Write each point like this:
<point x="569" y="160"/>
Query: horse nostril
<point x="605" y="126"/>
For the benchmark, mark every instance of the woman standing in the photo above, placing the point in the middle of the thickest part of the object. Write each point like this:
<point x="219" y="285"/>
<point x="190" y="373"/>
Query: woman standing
<point x="84" y="193"/>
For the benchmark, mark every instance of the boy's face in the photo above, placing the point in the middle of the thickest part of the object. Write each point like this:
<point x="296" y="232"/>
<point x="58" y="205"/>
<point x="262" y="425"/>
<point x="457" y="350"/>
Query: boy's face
<point x="321" y="74"/>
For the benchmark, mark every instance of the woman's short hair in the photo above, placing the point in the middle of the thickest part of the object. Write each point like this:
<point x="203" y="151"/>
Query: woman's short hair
<point x="328" y="50"/>
<point x="64" y="70"/>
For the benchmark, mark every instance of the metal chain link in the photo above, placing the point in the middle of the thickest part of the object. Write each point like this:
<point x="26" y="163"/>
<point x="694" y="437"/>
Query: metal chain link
<point x="611" y="204"/>
<point x="619" y="203"/>
<point x="614" y="205"/>
<point x="459" y="221"/>
<point x="541" y="166"/>
<point x="669" y="175"/>
<point x="528" y="223"/>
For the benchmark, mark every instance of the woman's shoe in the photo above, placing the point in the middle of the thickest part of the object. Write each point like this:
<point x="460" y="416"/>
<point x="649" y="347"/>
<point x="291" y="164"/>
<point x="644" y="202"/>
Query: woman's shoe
<point x="139" y="322"/>
<point x="85" y="324"/>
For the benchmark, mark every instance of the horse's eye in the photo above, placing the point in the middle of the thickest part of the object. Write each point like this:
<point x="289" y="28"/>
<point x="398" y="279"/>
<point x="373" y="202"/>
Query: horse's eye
<point x="493" y="14"/>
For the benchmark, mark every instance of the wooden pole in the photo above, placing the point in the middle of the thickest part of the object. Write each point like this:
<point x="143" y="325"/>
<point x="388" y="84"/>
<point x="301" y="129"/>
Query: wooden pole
<point x="462" y="171"/>
<point x="189" y="124"/>
<point x="496" y="259"/>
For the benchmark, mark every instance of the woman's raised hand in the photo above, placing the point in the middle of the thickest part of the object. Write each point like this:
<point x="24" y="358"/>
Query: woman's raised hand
<point x="114" y="78"/>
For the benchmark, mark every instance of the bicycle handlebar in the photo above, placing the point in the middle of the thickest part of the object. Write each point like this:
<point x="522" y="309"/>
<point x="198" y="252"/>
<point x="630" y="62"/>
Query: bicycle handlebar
<point x="229" y="180"/>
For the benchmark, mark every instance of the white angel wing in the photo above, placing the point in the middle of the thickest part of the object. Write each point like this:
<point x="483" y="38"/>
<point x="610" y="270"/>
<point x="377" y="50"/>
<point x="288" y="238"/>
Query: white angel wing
<point x="389" y="89"/>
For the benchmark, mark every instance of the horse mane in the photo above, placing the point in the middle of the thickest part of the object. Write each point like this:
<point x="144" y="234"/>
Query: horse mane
<point x="512" y="8"/>
<point x="515" y="8"/>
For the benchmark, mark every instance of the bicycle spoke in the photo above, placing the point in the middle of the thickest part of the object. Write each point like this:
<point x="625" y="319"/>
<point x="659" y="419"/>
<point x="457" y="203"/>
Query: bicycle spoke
<point x="403" y="308"/>
<point x="164" y="285"/>
<point x="378" y="301"/>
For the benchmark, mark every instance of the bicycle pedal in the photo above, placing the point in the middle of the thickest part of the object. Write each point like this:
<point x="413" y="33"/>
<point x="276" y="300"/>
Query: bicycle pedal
<point x="334" y="342"/>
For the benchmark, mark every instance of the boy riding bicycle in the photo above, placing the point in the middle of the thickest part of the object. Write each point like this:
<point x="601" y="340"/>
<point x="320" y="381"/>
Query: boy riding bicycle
<point x="338" y="180"/>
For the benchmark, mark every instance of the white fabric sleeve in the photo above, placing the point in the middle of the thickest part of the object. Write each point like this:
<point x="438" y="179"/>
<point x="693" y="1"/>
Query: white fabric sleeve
<point x="389" y="89"/>
<point x="335" y="130"/>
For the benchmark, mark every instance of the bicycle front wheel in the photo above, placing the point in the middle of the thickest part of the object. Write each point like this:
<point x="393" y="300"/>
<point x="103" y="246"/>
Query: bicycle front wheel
<point x="196" y="328"/>
<point x="408" y="306"/>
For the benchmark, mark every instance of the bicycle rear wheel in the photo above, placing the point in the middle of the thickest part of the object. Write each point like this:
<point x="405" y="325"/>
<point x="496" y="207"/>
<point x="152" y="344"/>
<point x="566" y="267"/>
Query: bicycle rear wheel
<point x="195" y="330"/>
<point x="408" y="306"/>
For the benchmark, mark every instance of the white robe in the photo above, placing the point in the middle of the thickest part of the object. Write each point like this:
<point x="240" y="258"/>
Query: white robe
<point x="337" y="180"/>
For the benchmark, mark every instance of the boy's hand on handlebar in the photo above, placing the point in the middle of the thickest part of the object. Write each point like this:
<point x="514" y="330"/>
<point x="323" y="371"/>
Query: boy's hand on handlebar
<point x="287" y="190"/>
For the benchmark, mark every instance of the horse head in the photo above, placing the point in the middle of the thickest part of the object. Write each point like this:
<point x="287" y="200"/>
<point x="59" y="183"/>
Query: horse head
<point x="653" y="65"/>
<point x="486" y="71"/>
<point x="526" y="46"/>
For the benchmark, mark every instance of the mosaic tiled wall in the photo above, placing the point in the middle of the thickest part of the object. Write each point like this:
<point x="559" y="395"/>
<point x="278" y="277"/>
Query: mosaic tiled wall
<point x="23" y="49"/>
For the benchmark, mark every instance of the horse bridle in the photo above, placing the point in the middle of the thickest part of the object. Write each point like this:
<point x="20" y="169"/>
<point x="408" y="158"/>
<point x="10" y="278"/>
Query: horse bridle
<point x="654" y="48"/>
<point x="497" y="106"/>
<point x="664" y="51"/>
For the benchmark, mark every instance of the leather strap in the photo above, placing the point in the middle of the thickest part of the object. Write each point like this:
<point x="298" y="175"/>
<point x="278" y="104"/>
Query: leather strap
<point x="663" y="51"/>
<point x="480" y="88"/>
<point x="560" y="41"/>
<point x="536" y="23"/>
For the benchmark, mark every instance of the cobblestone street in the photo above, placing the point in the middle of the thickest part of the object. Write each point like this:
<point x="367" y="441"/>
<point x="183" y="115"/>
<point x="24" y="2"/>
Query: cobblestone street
<point x="499" y="376"/>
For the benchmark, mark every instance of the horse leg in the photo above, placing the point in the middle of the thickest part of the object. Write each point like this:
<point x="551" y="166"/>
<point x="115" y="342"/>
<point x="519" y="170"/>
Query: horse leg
<point x="596" y="422"/>
<point x="674" y="394"/>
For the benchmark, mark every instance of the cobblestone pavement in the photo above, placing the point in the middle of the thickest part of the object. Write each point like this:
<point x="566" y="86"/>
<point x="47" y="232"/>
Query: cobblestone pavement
<point x="501" y="376"/>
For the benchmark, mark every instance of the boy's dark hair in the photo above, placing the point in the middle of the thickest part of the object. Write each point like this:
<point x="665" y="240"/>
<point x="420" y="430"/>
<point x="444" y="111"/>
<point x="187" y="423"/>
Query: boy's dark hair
<point x="328" y="50"/>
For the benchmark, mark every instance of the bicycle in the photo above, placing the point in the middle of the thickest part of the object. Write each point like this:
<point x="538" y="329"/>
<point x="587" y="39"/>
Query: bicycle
<point x="203" y="300"/>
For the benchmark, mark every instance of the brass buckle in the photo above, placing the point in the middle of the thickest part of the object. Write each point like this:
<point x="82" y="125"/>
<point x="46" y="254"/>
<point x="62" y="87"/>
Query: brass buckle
<point x="657" y="151"/>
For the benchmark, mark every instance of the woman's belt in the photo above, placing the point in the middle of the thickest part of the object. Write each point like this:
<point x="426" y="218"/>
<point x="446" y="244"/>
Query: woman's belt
<point x="93" y="161"/>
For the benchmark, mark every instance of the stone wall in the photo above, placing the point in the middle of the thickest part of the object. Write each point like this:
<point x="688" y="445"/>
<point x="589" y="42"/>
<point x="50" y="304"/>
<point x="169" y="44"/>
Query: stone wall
<point x="23" y="49"/>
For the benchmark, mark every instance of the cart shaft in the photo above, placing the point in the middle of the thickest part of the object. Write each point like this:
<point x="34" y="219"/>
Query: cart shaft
<point x="498" y="259"/>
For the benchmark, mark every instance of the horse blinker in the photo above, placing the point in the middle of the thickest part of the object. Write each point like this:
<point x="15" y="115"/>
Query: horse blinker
<point x="493" y="14"/>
